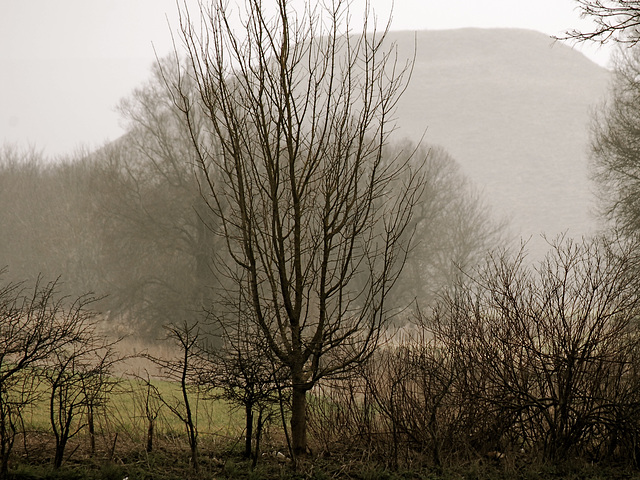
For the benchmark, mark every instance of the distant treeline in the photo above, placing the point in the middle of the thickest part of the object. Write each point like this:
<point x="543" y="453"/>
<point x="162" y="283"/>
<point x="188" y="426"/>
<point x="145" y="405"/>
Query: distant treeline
<point x="129" y="222"/>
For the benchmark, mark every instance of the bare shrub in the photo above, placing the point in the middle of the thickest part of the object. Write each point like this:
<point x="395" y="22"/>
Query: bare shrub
<point x="520" y="360"/>
<point x="554" y="346"/>
<point x="36" y="324"/>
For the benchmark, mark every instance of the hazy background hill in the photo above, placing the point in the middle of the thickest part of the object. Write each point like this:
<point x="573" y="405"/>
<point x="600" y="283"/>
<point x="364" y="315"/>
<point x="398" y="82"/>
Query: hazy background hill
<point x="513" y="107"/>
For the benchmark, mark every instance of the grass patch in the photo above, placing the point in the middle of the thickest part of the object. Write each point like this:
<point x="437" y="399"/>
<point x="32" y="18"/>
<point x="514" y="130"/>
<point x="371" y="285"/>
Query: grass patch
<point x="125" y="411"/>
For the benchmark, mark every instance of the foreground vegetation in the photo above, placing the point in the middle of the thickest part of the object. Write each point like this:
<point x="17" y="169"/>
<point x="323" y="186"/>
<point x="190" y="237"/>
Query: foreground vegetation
<point x="222" y="458"/>
<point x="163" y="466"/>
<point x="517" y="372"/>
<point x="122" y="453"/>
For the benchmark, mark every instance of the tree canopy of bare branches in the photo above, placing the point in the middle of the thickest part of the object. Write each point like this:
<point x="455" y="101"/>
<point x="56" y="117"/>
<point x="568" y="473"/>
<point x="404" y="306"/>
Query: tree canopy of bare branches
<point x="298" y="111"/>
<point x="615" y="20"/>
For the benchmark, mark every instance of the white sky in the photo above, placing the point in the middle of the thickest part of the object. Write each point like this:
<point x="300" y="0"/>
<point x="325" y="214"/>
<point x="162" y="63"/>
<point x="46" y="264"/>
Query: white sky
<point x="67" y="63"/>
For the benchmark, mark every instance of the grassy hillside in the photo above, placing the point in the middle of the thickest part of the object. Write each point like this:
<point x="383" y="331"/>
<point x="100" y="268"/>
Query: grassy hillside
<point x="513" y="108"/>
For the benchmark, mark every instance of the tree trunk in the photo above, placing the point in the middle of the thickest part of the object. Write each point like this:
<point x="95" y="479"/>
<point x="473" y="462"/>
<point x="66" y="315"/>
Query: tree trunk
<point x="249" y="429"/>
<point x="59" y="455"/>
<point x="256" y="452"/>
<point x="299" y="420"/>
<point x="92" y="430"/>
<point x="4" y="466"/>
<point x="5" y="448"/>
<point x="189" y="420"/>
<point x="4" y="460"/>
<point x="150" y="436"/>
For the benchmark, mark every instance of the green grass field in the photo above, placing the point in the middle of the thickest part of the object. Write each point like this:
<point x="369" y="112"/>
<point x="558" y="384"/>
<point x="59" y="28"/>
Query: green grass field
<point x="125" y="410"/>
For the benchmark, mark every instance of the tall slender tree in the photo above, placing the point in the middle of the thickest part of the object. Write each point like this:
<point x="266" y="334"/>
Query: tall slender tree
<point x="298" y="110"/>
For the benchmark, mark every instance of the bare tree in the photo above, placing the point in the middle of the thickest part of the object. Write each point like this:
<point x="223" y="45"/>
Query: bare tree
<point x="453" y="226"/>
<point x="615" y="146"/>
<point x="245" y="375"/>
<point x="34" y="324"/>
<point x="78" y="377"/>
<point x="299" y="110"/>
<point x="186" y="370"/>
<point x="155" y="235"/>
<point x="148" y="400"/>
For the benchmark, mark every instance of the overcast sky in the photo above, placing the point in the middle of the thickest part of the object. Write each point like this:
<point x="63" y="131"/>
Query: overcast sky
<point x="66" y="63"/>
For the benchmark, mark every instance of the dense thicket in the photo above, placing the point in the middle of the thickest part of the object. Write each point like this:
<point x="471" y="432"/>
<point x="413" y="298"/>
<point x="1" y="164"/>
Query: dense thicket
<point x="526" y="362"/>
<point x="519" y="365"/>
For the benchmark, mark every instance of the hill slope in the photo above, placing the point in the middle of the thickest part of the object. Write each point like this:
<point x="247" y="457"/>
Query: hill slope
<point x="513" y="108"/>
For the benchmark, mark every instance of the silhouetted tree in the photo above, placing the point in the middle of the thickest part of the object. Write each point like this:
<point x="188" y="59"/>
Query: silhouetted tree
<point x="78" y="377"/>
<point x="244" y="373"/>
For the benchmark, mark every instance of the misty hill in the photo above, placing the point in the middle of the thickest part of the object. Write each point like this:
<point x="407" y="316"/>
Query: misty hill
<point x="513" y="107"/>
